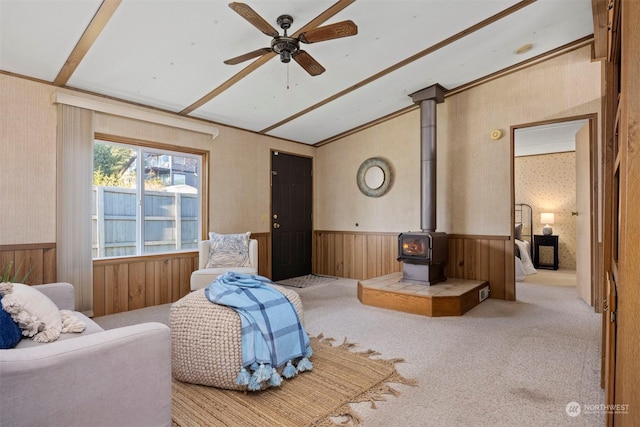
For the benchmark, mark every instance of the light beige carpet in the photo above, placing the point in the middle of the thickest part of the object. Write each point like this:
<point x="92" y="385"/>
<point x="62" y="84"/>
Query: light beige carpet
<point x="339" y="377"/>
<point x="552" y="278"/>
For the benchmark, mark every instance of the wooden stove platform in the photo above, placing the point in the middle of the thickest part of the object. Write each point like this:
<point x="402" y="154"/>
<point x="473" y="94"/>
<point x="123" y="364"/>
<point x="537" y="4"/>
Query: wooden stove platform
<point x="453" y="297"/>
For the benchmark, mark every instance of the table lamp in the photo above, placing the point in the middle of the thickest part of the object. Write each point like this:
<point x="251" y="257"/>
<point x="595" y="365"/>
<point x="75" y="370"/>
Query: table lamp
<point x="546" y="218"/>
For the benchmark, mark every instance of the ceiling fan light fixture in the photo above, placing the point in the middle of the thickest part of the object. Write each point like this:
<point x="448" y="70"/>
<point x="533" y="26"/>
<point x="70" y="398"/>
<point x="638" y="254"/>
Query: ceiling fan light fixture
<point x="289" y="47"/>
<point x="285" y="47"/>
<point x="285" y="56"/>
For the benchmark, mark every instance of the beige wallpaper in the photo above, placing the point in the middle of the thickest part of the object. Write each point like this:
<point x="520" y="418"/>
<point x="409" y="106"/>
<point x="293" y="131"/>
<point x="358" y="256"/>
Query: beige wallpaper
<point x="474" y="171"/>
<point x="28" y="123"/>
<point x="548" y="184"/>
<point x="341" y="205"/>
<point x="473" y="191"/>
<point x="239" y="169"/>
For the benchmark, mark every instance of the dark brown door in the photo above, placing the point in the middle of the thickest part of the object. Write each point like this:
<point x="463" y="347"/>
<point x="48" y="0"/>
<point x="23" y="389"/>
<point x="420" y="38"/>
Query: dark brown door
<point x="291" y="220"/>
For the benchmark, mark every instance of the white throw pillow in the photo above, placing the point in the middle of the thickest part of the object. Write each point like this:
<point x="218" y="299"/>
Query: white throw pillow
<point x="38" y="317"/>
<point x="228" y="250"/>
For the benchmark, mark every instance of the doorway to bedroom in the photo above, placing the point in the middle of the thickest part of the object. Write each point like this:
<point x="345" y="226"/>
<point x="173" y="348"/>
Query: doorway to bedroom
<point x="553" y="173"/>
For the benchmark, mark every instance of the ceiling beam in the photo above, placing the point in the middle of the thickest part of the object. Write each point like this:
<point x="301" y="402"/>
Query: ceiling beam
<point x="317" y="21"/>
<point x="516" y="7"/>
<point x="91" y="33"/>
<point x="600" y="10"/>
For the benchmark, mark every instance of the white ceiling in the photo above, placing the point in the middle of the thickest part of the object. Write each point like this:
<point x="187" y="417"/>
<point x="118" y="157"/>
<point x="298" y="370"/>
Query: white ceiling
<point x="169" y="54"/>
<point x="545" y="139"/>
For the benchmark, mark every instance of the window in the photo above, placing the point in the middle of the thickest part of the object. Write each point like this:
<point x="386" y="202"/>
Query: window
<point x="145" y="200"/>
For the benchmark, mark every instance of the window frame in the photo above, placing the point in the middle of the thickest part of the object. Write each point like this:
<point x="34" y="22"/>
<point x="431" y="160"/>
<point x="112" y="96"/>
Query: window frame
<point x="203" y="194"/>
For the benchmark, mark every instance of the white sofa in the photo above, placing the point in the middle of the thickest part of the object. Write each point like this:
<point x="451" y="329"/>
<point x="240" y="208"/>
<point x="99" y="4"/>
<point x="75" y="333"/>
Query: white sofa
<point x="117" y="377"/>
<point x="203" y="277"/>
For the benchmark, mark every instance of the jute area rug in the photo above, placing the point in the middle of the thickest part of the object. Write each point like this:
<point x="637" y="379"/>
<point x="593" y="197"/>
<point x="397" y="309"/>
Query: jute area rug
<point x="304" y="281"/>
<point x="315" y="398"/>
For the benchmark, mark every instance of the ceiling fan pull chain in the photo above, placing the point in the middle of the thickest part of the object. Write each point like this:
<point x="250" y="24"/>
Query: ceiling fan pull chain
<point x="287" y="76"/>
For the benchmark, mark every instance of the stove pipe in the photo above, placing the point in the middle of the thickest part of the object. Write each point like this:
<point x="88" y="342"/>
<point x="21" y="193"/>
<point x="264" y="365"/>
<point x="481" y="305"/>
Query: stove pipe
<point x="427" y="99"/>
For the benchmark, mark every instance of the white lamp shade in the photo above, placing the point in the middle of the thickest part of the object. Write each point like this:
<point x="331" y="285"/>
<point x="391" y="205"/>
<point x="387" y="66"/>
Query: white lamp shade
<point x="546" y="218"/>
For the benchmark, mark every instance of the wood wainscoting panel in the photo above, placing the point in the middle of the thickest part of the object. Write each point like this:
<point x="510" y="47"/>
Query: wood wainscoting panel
<point x="123" y="284"/>
<point x="355" y="255"/>
<point x="264" y="253"/>
<point x="364" y="255"/>
<point x="486" y="258"/>
<point x="39" y="259"/>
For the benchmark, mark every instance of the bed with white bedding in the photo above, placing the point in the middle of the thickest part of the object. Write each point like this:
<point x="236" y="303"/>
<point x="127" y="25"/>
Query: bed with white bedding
<point x="523" y="238"/>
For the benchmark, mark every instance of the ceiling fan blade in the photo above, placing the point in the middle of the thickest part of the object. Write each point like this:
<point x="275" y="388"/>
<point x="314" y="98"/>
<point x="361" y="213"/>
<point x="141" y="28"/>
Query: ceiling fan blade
<point x="329" y="32"/>
<point x="307" y="62"/>
<point x="246" y="56"/>
<point x="254" y="19"/>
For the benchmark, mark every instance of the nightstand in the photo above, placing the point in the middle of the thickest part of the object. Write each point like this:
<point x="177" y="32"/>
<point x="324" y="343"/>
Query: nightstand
<point x="542" y="240"/>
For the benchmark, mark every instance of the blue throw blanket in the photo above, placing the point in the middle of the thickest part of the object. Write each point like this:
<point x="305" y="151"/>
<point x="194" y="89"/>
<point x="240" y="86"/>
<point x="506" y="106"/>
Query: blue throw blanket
<point x="272" y="335"/>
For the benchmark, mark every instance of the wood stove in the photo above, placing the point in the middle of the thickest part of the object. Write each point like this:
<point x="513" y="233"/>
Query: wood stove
<point x="424" y="254"/>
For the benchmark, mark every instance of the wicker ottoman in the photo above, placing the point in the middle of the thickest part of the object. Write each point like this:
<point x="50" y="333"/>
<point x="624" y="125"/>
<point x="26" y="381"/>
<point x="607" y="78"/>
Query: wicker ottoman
<point x="205" y="340"/>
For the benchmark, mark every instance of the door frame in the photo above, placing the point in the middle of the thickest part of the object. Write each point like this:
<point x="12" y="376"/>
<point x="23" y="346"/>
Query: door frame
<point x="596" y="232"/>
<point x="313" y="205"/>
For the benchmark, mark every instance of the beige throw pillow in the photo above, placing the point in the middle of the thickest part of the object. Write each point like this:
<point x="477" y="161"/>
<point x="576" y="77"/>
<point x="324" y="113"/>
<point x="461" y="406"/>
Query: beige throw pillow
<point x="228" y="250"/>
<point x="38" y="317"/>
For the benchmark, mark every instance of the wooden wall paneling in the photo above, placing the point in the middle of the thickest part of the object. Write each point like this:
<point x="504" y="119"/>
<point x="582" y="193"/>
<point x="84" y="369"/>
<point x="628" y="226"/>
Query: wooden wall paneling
<point x="49" y="266"/>
<point x="482" y="269"/>
<point x="355" y="255"/>
<point x="387" y="255"/>
<point x="509" y="280"/>
<point x="318" y="254"/>
<point x="449" y="269"/>
<point x="116" y="290"/>
<point x="348" y="260"/>
<point x="151" y="295"/>
<point x="163" y="268"/>
<point x="470" y="259"/>
<point x="327" y="248"/>
<point x="359" y="262"/>
<point x="330" y="259"/>
<point x="627" y="363"/>
<point x="372" y="256"/>
<point x="187" y="265"/>
<point x="456" y="257"/>
<point x="137" y="285"/>
<point x="338" y="262"/>
<point x="6" y="257"/>
<point x="99" y="290"/>
<point x="131" y="283"/>
<point x="327" y="252"/>
<point x="497" y="269"/>
<point x="175" y="279"/>
<point x="38" y="259"/>
<point x="32" y="260"/>
<point x="264" y="253"/>
<point x="362" y="256"/>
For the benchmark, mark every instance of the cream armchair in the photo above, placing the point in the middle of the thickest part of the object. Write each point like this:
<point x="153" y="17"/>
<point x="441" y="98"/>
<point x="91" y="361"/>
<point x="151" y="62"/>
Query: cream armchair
<point x="202" y="277"/>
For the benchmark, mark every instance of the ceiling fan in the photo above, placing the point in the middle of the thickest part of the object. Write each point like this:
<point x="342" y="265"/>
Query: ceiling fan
<point x="289" y="47"/>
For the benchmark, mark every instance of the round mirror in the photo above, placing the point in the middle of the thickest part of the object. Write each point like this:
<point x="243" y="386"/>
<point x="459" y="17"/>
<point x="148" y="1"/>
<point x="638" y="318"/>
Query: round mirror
<point x="374" y="177"/>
